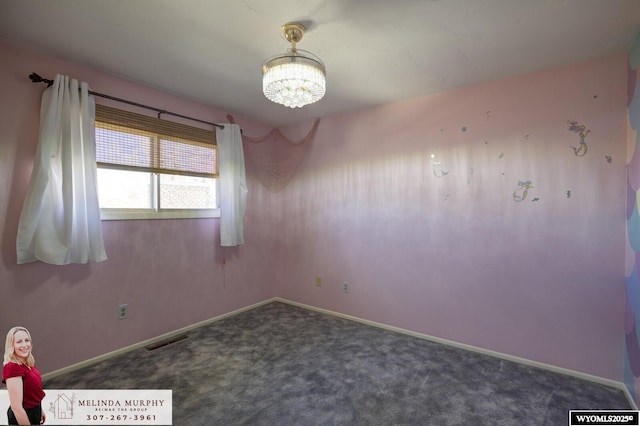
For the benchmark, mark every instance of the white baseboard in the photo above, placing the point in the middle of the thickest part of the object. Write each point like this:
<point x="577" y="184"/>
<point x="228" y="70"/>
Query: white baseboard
<point x="578" y="374"/>
<point x="151" y="341"/>
<point x="555" y="369"/>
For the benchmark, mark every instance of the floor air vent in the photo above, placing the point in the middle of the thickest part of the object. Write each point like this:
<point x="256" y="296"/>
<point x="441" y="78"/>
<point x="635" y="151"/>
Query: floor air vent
<point x="166" y="342"/>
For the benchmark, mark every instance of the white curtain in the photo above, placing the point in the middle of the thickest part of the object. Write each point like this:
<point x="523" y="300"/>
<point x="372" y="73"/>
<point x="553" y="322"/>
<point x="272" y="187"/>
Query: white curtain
<point x="233" y="185"/>
<point x="60" y="219"/>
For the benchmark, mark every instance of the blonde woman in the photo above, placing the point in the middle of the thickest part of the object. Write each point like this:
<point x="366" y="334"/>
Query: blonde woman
<point x="23" y="379"/>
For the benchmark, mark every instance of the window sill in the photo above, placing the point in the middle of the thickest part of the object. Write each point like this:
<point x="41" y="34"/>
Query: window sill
<point x="119" y="214"/>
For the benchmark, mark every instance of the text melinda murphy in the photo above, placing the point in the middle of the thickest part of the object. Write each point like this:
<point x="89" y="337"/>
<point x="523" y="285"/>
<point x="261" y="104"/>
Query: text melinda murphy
<point x="104" y="406"/>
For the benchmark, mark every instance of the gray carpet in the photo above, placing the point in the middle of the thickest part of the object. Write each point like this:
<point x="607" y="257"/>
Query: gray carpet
<point x="283" y="365"/>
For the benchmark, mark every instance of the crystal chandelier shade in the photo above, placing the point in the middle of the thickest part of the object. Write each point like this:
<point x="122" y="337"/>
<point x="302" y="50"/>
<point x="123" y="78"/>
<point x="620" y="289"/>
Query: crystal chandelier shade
<point x="296" y="78"/>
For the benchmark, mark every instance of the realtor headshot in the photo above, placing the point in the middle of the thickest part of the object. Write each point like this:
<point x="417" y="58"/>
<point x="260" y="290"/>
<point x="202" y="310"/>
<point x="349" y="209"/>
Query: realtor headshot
<point x="23" y="380"/>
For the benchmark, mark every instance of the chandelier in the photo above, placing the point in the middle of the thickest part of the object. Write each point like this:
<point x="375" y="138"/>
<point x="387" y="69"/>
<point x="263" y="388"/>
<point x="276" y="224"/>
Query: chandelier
<point x="296" y="78"/>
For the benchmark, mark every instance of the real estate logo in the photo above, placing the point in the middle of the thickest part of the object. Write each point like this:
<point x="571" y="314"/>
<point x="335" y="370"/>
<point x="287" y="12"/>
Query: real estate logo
<point x="62" y="406"/>
<point x="108" y="406"/>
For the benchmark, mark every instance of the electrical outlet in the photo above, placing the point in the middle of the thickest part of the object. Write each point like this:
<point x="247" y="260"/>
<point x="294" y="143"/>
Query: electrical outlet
<point x="345" y="287"/>
<point x="318" y="281"/>
<point x="123" y="311"/>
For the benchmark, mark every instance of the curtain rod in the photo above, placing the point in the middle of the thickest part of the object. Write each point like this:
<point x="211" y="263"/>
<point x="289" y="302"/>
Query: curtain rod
<point x="35" y="78"/>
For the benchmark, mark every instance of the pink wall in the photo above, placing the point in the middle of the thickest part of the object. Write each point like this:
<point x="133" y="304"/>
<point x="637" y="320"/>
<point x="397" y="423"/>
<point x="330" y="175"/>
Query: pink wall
<point x="457" y="256"/>
<point x="169" y="272"/>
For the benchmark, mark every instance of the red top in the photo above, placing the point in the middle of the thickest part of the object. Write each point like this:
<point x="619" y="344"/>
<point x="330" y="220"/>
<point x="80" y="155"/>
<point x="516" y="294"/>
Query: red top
<point x="32" y="392"/>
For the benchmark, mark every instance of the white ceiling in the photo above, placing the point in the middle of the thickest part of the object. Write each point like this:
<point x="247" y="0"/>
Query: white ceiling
<point x="375" y="51"/>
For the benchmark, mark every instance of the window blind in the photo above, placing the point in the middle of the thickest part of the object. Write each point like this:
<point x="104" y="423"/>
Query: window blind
<point x="130" y="141"/>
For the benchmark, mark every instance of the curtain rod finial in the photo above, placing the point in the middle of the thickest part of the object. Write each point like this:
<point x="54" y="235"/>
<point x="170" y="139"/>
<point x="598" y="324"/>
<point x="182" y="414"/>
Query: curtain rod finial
<point x="35" y="78"/>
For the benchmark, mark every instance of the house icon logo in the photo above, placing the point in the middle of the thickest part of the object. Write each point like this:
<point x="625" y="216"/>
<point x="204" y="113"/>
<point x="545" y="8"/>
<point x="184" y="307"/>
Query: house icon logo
<point x="62" y="407"/>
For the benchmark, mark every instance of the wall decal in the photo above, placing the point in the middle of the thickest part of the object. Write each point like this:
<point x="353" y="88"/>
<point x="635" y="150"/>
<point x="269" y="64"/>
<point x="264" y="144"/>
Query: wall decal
<point x="464" y="129"/>
<point x="536" y="199"/>
<point x="582" y="131"/>
<point x="501" y="155"/>
<point x="523" y="186"/>
<point x="608" y="158"/>
<point x="568" y="194"/>
<point x="436" y="167"/>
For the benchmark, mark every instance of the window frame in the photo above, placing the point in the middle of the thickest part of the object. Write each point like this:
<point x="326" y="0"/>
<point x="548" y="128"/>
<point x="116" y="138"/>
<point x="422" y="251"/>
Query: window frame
<point x="154" y="212"/>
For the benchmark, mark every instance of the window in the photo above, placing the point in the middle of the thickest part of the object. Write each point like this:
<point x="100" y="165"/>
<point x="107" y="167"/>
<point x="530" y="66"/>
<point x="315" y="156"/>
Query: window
<point x="154" y="169"/>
